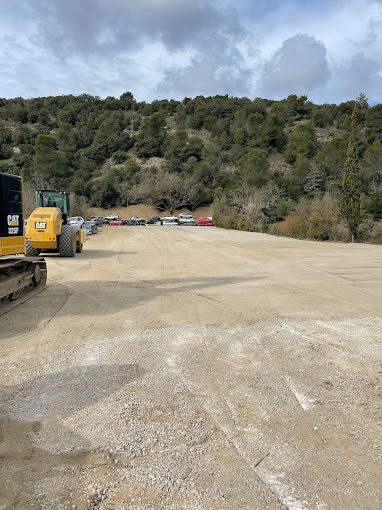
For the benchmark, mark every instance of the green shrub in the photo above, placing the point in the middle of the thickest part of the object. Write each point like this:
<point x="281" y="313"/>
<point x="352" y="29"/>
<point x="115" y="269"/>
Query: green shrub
<point x="370" y="231"/>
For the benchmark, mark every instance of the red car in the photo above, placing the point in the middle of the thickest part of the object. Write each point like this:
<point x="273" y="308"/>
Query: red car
<point x="205" y="222"/>
<point x="116" y="222"/>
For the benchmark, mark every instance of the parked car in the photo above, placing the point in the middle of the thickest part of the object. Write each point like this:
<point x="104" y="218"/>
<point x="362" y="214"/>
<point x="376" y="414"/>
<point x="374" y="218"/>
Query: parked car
<point x="98" y="220"/>
<point x="76" y="220"/>
<point x="170" y="221"/>
<point x="137" y="220"/>
<point x="153" y="220"/>
<point x="187" y="222"/>
<point x="116" y="222"/>
<point x="205" y="222"/>
<point x="90" y="226"/>
<point x="89" y="229"/>
<point x="112" y="217"/>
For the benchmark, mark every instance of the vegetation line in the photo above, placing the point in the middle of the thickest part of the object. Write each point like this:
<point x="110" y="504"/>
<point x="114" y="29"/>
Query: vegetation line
<point x="286" y="167"/>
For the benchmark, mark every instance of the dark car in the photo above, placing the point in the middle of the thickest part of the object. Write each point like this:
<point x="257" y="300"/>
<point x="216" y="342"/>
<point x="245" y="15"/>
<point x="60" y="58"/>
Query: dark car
<point x="153" y="220"/>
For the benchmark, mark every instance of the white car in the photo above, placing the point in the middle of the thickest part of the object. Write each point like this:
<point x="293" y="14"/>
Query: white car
<point x="185" y="216"/>
<point x="112" y="217"/>
<point x="170" y="221"/>
<point x="75" y="220"/>
<point x="187" y="222"/>
<point x="137" y="220"/>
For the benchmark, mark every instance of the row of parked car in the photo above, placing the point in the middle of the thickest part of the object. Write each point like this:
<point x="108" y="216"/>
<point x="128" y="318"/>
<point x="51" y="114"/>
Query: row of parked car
<point x="91" y="225"/>
<point x="183" y="219"/>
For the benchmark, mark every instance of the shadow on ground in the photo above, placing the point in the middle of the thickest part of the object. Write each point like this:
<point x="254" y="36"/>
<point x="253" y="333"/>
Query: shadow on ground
<point x="105" y="297"/>
<point x="35" y="443"/>
<point x="66" y="392"/>
<point x="90" y="254"/>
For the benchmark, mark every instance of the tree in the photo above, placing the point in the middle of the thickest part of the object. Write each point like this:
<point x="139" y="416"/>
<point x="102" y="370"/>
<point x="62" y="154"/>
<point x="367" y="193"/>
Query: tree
<point x="152" y="137"/>
<point x="323" y="115"/>
<point x="372" y="164"/>
<point x="48" y="161"/>
<point x="179" y="148"/>
<point x="302" y="140"/>
<point x="43" y="117"/>
<point x="301" y="168"/>
<point x="374" y="123"/>
<point x="362" y="101"/>
<point x="315" y="180"/>
<point x="254" y="168"/>
<point x="331" y="160"/>
<point x="168" y="191"/>
<point x="271" y="134"/>
<point x="350" y="191"/>
<point x="65" y="138"/>
<point x="104" y="189"/>
<point x="127" y="101"/>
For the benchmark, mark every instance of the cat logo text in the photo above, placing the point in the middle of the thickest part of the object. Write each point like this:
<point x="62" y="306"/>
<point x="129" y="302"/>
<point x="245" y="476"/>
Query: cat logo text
<point x="13" y="221"/>
<point x="40" y="225"/>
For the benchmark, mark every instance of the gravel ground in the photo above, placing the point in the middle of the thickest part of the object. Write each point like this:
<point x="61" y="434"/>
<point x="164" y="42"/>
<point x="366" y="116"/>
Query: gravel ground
<point x="196" y="369"/>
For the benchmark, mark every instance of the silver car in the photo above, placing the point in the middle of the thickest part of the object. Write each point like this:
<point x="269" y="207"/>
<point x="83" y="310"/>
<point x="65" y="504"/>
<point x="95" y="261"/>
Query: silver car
<point x="170" y="221"/>
<point x="75" y="220"/>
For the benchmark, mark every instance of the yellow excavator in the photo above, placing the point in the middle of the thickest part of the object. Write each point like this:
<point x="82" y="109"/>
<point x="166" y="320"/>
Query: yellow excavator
<point x="48" y="228"/>
<point x="17" y="274"/>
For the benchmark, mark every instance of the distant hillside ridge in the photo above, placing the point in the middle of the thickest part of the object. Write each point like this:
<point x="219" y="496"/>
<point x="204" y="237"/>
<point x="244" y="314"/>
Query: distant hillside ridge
<point x="258" y="163"/>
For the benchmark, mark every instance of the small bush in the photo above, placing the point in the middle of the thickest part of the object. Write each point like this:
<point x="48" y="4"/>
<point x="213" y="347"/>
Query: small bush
<point x="319" y="219"/>
<point x="370" y="231"/>
<point x="120" y="157"/>
<point x="375" y="236"/>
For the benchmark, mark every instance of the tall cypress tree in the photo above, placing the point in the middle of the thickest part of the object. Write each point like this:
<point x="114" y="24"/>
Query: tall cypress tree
<point x="350" y="196"/>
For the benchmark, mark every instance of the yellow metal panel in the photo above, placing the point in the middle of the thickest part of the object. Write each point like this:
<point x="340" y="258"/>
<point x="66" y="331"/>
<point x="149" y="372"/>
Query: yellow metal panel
<point x="44" y="225"/>
<point x="81" y="236"/>
<point x="41" y="240"/>
<point x="45" y="219"/>
<point x="12" y="245"/>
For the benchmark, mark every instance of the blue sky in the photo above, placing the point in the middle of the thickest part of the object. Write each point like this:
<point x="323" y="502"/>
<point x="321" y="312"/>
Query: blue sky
<point x="329" y="50"/>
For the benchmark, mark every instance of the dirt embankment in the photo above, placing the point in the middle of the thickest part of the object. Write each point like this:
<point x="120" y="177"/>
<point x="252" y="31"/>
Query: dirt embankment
<point x="146" y="211"/>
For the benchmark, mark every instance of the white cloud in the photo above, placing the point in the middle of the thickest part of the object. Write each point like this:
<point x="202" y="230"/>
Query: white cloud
<point x="178" y="48"/>
<point x="299" y="67"/>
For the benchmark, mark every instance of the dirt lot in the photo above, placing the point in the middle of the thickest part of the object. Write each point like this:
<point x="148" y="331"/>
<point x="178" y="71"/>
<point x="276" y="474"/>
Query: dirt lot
<point x="191" y="368"/>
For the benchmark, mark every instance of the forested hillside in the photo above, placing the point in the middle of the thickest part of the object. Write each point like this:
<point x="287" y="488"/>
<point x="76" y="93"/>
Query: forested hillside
<point x="272" y="166"/>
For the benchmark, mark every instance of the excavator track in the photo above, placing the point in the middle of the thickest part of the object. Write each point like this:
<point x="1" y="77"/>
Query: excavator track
<point x="20" y="279"/>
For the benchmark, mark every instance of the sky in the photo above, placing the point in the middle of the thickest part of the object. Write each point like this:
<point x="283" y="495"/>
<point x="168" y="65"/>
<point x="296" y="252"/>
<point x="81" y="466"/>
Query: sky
<point x="329" y="50"/>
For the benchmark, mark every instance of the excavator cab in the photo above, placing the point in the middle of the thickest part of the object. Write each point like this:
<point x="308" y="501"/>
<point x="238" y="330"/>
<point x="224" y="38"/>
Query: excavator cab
<point x="54" y="198"/>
